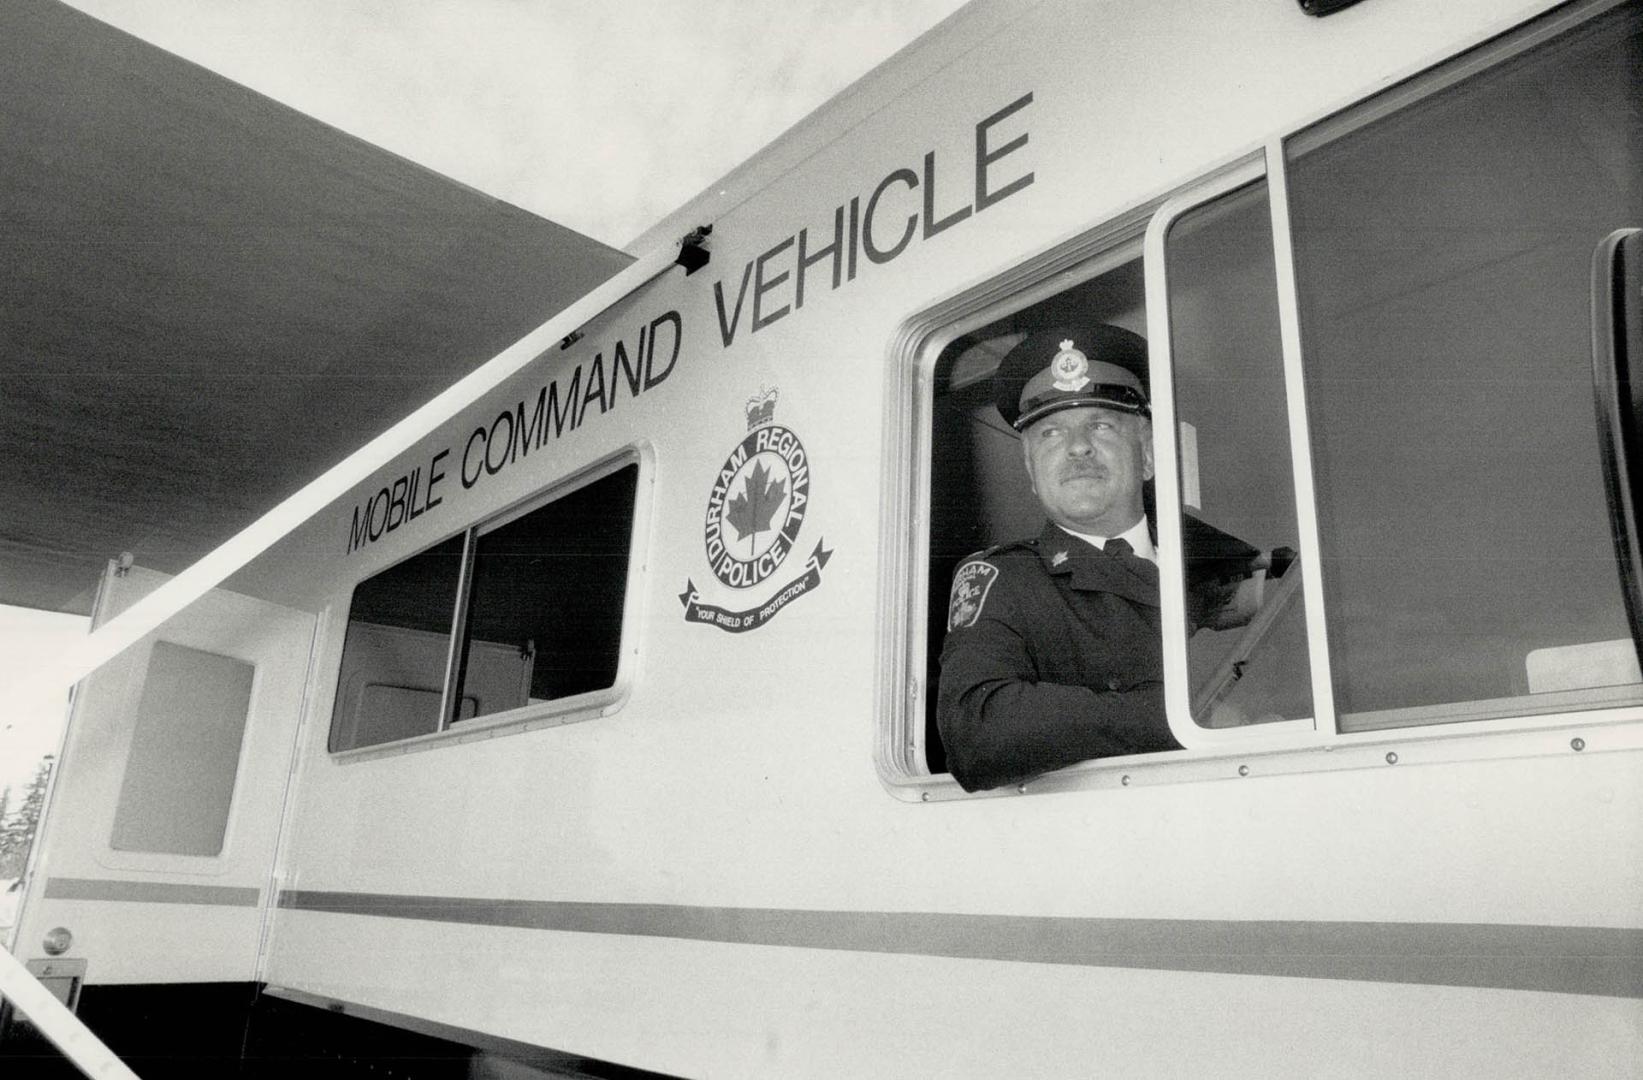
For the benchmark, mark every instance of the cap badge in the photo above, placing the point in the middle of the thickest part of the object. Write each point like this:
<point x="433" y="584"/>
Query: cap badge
<point x="1070" y="367"/>
<point x="1060" y="557"/>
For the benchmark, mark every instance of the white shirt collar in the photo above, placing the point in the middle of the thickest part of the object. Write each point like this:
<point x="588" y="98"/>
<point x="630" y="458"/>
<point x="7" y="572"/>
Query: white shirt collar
<point x="1140" y="540"/>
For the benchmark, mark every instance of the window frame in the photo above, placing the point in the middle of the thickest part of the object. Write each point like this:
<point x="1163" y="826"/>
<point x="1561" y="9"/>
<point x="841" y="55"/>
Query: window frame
<point x="1294" y="746"/>
<point x="1167" y="451"/>
<point x="555" y="712"/>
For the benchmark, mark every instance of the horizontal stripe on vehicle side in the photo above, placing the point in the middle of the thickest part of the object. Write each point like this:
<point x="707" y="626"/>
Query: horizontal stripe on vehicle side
<point x="1561" y="959"/>
<point x="150" y="892"/>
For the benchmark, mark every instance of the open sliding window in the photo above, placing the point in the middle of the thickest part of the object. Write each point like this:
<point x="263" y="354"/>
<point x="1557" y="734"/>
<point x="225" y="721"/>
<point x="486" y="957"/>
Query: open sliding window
<point x="1233" y="539"/>
<point x="978" y="494"/>
<point x="519" y="617"/>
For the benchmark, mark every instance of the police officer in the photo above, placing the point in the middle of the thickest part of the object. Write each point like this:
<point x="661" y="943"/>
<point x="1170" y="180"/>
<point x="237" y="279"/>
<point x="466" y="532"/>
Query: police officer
<point x="1053" y="652"/>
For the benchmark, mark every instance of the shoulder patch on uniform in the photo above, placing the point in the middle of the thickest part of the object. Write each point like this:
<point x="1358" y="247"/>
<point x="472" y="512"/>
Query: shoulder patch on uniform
<point x="971" y="581"/>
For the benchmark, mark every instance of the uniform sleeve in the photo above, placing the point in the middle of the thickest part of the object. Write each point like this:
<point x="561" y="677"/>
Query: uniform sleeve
<point x="999" y="724"/>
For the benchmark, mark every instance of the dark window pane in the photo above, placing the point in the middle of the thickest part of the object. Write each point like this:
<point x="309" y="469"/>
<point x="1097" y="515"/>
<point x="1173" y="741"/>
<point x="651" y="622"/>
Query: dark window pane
<point x="1443" y="255"/>
<point x="545" y="609"/>
<point x="396" y="651"/>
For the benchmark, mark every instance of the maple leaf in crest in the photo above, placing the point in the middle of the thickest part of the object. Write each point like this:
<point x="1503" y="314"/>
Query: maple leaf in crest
<point x="750" y="512"/>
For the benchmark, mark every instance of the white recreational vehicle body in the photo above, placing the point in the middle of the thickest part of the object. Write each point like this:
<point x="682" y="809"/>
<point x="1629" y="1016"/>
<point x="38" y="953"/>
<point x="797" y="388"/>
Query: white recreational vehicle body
<point x="598" y="720"/>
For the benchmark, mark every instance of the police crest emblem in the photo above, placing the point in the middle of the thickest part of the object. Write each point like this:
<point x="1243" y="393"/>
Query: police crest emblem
<point x="1070" y="367"/>
<point x="754" y="512"/>
<point x="760" y="499"/>
<point x="971" y="583"/>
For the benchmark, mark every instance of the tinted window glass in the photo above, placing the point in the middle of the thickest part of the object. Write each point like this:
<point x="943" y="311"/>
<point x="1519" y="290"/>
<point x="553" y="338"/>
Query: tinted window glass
<point x="1443" y="255"/>
<point x="542" y="598"/>
<point x="397" y="649"/>
<point x="545" y="610"/>
<point x="1248" y="649"/>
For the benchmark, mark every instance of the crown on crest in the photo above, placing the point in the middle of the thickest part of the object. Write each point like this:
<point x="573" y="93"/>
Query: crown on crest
<point x="761" y="407"/>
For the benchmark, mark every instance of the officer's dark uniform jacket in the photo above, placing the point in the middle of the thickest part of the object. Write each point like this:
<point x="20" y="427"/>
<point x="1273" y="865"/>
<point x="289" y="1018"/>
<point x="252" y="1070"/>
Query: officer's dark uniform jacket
<point x="1053" y="656"/>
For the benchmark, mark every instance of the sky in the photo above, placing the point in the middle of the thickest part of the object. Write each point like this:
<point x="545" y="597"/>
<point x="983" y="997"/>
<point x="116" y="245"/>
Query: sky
<point x="601" y="115"/>
<point x="31" y="718"/>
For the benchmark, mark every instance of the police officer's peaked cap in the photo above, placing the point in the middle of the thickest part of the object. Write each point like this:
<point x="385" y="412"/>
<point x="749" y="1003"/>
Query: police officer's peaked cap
<point x="1059" y="368"/>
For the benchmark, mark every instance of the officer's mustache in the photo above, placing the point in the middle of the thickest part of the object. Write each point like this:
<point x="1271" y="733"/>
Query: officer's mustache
<point x="1078" y="470"/>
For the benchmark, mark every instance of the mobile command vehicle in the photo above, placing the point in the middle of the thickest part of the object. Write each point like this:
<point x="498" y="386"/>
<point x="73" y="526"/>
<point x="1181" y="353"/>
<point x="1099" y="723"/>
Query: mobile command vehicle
<point x="598" y="722"/>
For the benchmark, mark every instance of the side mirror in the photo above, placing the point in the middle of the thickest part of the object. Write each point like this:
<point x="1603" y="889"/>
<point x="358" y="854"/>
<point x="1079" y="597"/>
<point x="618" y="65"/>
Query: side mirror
<point x="1617" y="381"/>
<point x="1324" y="7"/>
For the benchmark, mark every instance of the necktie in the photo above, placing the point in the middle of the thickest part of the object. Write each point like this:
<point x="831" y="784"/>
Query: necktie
<point x="1143" y="569"/>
